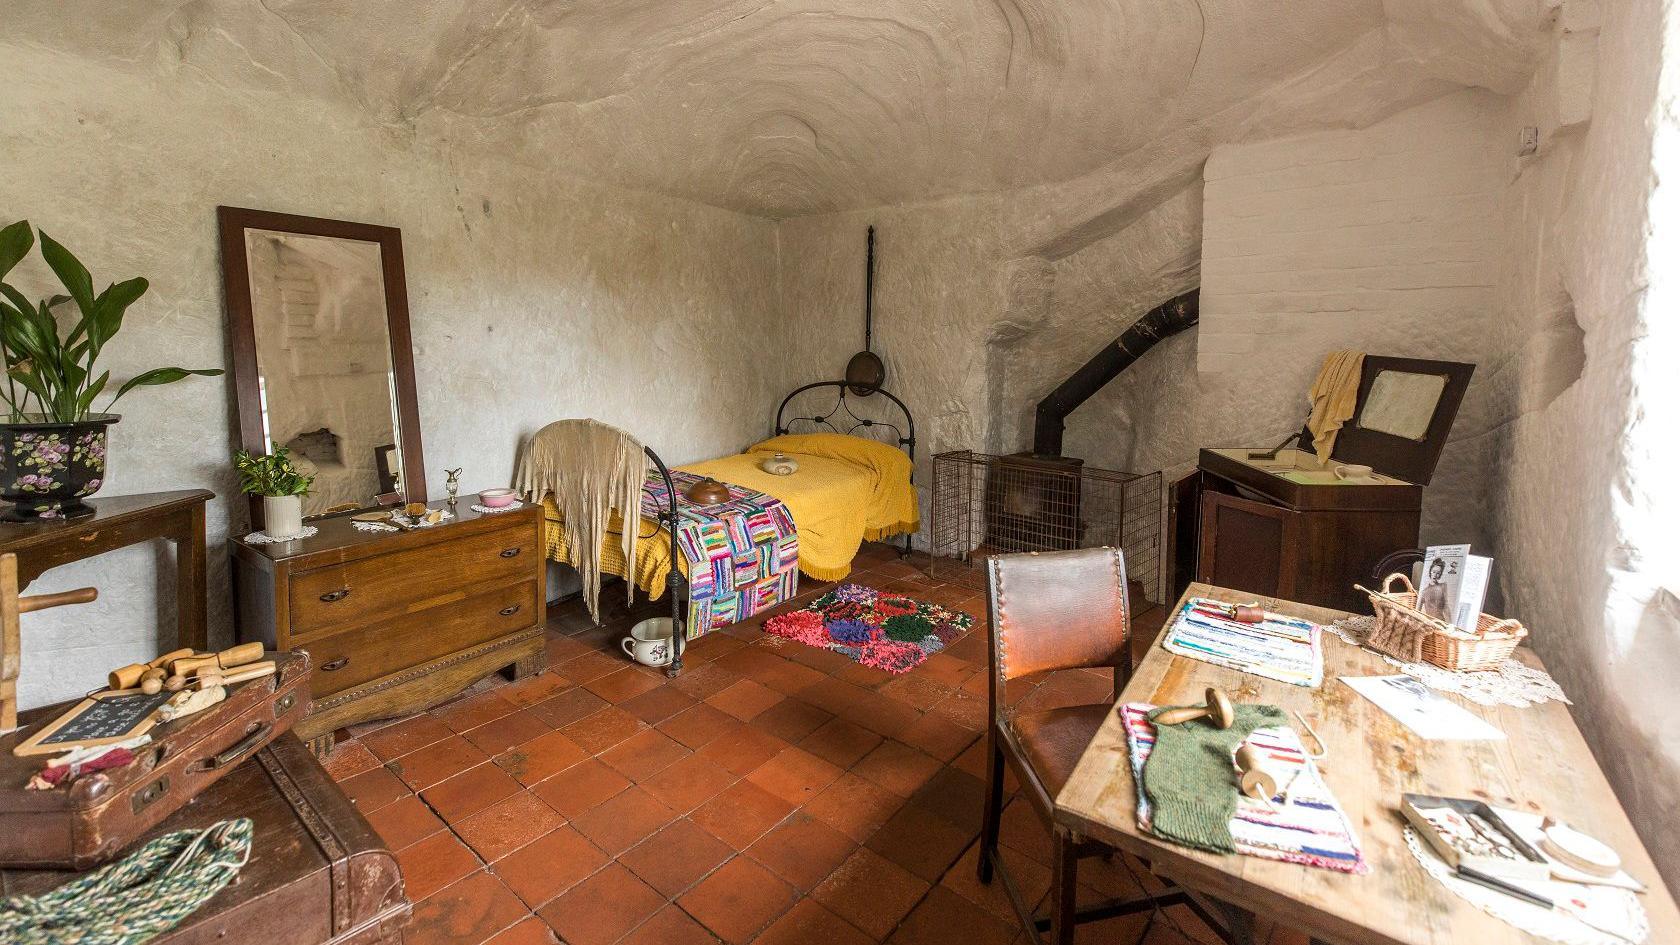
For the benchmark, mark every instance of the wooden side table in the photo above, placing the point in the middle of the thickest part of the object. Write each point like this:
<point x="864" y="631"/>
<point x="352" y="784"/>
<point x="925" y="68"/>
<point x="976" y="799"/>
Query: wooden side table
<point x="117" y="522"/>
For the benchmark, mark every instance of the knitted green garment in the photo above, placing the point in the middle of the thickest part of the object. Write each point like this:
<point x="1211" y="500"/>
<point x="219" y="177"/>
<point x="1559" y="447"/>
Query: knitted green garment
<point x="1190" y="781"/>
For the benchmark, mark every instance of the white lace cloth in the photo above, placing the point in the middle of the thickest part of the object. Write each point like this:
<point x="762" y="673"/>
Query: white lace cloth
<point x="1511" y="683"/>
<point x="264" y="538"/>
<point x="384" y="527"/>
<point x="1593" y="915"/>
<point x="487" y="510"/>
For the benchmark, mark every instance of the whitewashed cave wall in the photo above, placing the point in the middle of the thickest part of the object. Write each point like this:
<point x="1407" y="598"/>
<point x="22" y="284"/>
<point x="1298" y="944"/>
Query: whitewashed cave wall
<point x="985" y="303"/>
<point x="1380" y="239"/>
<point x="1584" y="509"/>
<point x="532" y="297"/>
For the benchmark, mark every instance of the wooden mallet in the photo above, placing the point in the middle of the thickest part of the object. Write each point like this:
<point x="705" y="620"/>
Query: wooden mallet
<point x="226" y="659"/>
<point x="1218" y="711"/>
<point x="134" y="675"/>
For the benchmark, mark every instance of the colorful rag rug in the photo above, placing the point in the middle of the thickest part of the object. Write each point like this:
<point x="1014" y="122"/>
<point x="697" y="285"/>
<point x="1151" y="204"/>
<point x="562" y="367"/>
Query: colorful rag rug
<point x="1305" y="825"/>
<point x="742" y="555"/>
<point x="879" y="629"/>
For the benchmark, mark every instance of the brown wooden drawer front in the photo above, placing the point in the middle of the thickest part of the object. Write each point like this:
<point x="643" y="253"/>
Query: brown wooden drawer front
<point x="349" y="659"/>
<point x="393" y="583"/>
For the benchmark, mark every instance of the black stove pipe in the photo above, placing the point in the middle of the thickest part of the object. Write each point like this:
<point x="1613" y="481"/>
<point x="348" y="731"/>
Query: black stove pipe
<point x="1163" y="321"/>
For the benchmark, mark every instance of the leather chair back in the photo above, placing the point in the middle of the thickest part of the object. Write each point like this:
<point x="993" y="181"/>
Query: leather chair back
<point x="1058" y="610"/>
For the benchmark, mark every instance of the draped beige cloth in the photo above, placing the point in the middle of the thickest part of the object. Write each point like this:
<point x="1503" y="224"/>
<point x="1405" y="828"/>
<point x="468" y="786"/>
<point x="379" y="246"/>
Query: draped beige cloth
<point x="591" y="469"/>
<point x="1334" y="395"/>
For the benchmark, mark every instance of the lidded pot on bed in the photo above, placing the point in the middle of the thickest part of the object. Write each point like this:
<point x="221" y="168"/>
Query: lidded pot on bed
<point x="780" y="464"/>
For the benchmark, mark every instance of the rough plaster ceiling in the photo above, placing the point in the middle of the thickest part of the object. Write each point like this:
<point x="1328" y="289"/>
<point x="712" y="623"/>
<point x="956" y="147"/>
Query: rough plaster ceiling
<point x="774" y="107"/>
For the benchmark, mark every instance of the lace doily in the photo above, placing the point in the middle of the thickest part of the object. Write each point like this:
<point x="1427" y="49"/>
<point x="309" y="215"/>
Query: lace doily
<point x="264" y="538"/>
<point x="386" y="527"/>
<point x="487" y="510"/>
<point x="1595" y="915"/>
<point x="1511" y="683"/>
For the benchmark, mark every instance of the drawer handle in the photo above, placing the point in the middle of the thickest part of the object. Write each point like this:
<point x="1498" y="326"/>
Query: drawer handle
<point x="509" y="611"/>
<point x="333" y="666"/>
<point x="335" y="596"/>
<point x="510" y="552"/>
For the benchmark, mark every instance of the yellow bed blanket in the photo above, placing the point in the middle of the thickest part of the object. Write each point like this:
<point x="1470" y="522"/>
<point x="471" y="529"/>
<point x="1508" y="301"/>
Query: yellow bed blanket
<point x="847" y="490"/>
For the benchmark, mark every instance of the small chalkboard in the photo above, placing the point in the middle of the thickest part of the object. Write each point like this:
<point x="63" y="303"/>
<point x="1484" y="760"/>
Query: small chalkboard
<point x="98" y="720"/>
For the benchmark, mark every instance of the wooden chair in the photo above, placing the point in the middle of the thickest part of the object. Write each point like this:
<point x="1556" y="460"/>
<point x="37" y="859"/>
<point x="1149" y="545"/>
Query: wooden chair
<point x="1053" y="611"/>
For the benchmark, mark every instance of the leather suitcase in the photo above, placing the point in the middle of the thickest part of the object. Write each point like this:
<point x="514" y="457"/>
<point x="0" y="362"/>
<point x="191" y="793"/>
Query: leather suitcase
<point x="100" y="814"/>
<point x="318" y="874"/>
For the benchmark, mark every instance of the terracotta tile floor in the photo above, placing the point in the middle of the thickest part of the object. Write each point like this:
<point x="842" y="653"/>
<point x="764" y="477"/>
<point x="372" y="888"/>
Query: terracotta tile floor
<point x="773" y="794"/>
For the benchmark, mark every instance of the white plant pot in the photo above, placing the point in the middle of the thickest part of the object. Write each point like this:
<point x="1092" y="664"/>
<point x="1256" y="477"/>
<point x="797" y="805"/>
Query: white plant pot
<point x="283" y="516"/>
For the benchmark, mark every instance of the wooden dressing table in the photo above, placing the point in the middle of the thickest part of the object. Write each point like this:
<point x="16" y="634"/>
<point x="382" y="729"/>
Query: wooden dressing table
<point x="395" y="622"/>
<point x="322" y="359"/>
<point x="1543" y="765"/>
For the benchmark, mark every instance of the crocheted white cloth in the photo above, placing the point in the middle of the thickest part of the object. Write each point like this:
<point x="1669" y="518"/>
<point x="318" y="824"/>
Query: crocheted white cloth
<point x="487" y="510"/>
<point x="264" y="538"/>
<point x="383" y="527"/>
<point x="1594" y="915"/>
<point x="1511" y="683"/>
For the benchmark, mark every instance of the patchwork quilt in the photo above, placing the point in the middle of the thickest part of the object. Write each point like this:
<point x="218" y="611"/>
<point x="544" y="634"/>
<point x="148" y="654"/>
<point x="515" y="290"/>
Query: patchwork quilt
<point x="741" y="556"/>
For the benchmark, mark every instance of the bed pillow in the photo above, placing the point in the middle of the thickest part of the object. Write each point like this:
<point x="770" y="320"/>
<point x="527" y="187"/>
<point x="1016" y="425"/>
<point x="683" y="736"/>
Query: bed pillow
<point x="884" y="458"/>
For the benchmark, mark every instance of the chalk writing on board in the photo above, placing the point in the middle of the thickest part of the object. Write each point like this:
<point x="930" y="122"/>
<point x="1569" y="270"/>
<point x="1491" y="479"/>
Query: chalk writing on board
<point x="111" y="717"/>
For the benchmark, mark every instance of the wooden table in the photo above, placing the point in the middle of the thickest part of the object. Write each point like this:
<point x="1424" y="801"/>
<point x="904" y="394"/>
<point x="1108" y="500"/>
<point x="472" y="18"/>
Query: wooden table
<point x="1544" y="765"/>
<point x="116" y="522"/>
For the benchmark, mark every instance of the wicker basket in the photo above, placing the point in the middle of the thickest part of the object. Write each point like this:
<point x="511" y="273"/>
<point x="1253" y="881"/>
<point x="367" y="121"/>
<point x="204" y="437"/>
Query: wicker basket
<point x="1444" y="645"/>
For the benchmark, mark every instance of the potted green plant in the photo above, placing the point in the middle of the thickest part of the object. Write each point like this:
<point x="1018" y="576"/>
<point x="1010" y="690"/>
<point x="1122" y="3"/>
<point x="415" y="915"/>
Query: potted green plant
<point x="52" y="443"/>
<point x="281" y="486"/>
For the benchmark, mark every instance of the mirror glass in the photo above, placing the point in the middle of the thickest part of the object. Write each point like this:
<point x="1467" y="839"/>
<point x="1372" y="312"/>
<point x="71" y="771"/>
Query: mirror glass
<point x="324" y="363"/>
<point x="1402" y="403"/>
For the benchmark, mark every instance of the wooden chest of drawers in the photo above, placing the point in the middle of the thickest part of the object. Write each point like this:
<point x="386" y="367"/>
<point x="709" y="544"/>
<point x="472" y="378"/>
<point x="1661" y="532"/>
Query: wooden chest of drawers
<point x="397" y="621"/>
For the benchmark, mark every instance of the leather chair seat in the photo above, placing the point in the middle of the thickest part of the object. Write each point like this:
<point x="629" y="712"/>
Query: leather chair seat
<point x="1053" y="740"/>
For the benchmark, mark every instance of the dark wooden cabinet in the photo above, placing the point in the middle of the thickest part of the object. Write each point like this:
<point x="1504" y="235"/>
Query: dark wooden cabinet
<point x="396" y="622"/>
<point x="1280" y="524"/>
<point x="1249" y="541"/>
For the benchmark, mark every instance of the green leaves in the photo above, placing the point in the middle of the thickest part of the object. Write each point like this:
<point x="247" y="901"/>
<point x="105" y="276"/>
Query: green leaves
<point x="70" y="271"/>
<point x="271" y="475"/>
<point x="162" y="375"/>
<point x="15" y="243"/>
<point x="59" y="372"/>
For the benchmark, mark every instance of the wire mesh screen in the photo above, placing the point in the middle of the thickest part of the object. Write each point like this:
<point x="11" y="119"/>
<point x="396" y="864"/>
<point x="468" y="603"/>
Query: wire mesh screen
<point x="986" y="504"/>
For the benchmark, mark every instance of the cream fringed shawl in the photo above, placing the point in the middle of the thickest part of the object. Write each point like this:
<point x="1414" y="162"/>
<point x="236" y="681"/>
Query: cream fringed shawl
<point x="591" y="469"/>
<point x="1334" y="396"/>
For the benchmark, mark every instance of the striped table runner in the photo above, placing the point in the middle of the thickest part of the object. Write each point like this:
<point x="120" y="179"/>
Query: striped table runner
<point x="1305" y="825"/>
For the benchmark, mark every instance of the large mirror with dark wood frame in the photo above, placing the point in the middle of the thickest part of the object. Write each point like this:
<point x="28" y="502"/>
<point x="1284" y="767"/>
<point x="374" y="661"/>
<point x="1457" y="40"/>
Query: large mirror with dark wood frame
<point x="318" y="317"/>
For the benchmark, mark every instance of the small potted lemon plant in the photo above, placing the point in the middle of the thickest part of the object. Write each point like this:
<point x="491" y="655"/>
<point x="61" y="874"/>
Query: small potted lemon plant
<point x="281" y="486"/>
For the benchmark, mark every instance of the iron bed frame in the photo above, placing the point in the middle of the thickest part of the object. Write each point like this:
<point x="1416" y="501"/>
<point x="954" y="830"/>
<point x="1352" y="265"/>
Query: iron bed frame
<point x="667" y="517"/>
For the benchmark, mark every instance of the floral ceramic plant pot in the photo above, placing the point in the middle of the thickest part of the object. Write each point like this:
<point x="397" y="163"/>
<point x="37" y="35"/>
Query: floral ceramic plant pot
<point x="46" y="469"/>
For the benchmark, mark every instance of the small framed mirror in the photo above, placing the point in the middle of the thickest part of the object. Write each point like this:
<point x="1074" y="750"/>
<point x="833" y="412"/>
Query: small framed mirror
<point x="1401" y="403"/>
<point x="322" y="359"/>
